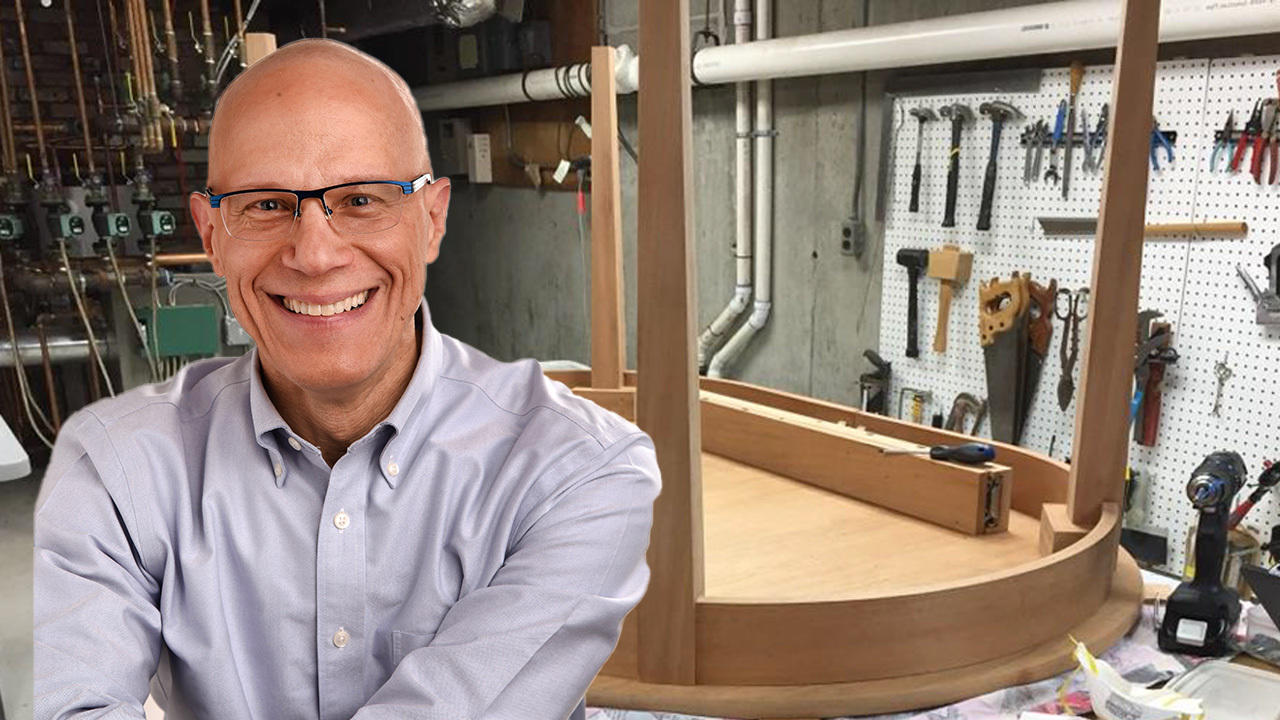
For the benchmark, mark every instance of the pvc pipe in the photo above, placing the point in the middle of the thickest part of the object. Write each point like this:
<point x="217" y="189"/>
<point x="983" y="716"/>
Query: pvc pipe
<point x="763" y="225"/>
<point x="569" y="81"/>
<point x="1025" y="30"/>
<point x="714" y="333"/>
<point x="62" y="349"/>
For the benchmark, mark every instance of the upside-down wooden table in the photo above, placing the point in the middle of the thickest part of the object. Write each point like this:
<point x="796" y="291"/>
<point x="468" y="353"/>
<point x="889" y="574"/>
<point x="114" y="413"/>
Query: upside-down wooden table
<point x="796" y="570"/>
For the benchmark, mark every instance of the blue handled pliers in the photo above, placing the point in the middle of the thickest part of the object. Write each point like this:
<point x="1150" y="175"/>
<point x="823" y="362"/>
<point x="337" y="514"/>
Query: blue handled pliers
<point x="1159" y="140"/>
<point x="1223" y="141"/>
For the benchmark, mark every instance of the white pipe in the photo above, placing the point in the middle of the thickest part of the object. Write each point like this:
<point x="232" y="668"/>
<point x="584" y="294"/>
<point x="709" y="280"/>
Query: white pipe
<point x="714" y="333"/>
<point x="763" y="225"/>
<point x="1025" y="30"/>
<point x="568" y="81"/>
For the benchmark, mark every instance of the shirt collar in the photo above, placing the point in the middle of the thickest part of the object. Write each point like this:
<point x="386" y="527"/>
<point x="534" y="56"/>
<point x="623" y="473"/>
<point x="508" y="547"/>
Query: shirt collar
<point x="267" y="420"/>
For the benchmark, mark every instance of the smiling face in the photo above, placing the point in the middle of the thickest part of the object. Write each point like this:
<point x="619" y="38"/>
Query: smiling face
<point x="329" y="312"/>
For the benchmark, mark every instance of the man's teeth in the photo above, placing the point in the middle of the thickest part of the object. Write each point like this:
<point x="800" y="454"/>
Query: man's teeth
<point x="303" y="308"/>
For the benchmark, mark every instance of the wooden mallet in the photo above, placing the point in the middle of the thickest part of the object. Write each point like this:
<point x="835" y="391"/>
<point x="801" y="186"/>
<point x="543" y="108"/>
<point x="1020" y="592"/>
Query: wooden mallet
<point x="952" y="266"/>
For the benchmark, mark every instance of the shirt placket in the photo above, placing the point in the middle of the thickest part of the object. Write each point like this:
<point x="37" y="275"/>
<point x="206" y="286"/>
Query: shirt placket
<point x="342" y="640"/>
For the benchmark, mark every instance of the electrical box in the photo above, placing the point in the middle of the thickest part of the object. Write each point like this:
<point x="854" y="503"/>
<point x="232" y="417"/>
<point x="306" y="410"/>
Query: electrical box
<point x="69" y="225"/>
<point x="10" y="227"/>
<point x="450" y="157"/>
<point x="183" y="330"/>
<point x="112" y="225"/>
<point x="157" y="222"/>
<point x="479" y="158"/>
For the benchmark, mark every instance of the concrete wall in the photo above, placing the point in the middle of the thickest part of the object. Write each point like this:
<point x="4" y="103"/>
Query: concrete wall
<point x="511" y="279"/>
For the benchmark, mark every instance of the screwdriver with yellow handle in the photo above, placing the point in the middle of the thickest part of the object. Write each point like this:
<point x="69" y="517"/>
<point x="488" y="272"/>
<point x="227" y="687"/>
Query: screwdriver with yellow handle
<point x="967" y="454"/>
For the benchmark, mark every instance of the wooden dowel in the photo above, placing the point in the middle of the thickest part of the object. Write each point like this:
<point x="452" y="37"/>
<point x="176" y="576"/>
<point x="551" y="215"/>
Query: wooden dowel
<point x="1202" y="230"/>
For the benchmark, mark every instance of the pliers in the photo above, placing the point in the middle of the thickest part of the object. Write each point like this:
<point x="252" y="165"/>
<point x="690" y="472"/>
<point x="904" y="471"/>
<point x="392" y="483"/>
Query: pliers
<point x="1159" y="140"/>
<point x="1266" y="138"/>
<point x="1223" y="141"/>
<point x="1252" y="130"/>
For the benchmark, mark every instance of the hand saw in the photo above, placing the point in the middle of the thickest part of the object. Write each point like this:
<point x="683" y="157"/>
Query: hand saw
<point x="1002" y="316"/>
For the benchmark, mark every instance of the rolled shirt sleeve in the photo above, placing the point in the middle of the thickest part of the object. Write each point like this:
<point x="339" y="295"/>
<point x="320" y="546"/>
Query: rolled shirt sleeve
<point x="93" y="598"/>
<point x="529" y="643"/>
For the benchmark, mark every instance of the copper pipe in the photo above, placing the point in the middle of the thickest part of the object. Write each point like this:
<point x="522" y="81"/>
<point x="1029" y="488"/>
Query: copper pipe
<point x="31" y="86"/>
<point x="239" y="34"/>
<point x="210" y="74"/>
<point x="51" y="127"/>
<point x="54" y="415"/>
<point x="75" y="70"/>
<point x="171" y="39"/>
<point x="10" y="158"/>
<point x="195" y="258"/>
<point x="153" y="96"/>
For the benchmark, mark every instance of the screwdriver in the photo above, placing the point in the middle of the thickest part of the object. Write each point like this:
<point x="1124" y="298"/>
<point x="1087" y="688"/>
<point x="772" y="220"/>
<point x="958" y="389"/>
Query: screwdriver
<point x="968" y="454"/>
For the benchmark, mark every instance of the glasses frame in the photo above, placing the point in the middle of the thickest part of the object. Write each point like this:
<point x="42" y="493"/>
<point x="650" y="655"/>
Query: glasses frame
<point x="409" y="187"/>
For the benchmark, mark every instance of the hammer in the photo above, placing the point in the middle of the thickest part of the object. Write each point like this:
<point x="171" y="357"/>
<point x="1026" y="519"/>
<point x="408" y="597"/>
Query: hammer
<point x="959" y="114"/>
<point x="999" y="112"/>
<point x="952" y="266"/>
<point x="914" y="260"/>
<point x="924" y="115"/>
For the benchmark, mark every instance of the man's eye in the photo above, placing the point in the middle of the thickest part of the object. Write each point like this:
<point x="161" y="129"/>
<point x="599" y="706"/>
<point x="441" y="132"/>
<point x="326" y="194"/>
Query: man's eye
<point x="360" y="200"/>
<point x="267" y="205"/>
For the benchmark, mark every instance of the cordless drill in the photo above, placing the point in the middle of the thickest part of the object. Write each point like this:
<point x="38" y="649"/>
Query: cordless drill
<point x="1201" y="613"/>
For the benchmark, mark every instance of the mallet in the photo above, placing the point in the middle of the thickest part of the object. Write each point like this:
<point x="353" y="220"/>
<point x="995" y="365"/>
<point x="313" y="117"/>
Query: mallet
<point x="952" y="266"/>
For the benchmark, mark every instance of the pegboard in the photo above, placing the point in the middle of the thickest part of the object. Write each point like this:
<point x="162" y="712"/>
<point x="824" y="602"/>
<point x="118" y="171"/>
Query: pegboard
<point x="1192" y="282"/>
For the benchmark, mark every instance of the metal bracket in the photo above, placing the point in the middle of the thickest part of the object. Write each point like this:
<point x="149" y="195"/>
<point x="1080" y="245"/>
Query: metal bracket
<point x="992" y="511"/>
<point x="1268" y="302"/>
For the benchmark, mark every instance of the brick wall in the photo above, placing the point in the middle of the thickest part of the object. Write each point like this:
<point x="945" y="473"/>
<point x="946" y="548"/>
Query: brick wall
<point x="51" y="63"/>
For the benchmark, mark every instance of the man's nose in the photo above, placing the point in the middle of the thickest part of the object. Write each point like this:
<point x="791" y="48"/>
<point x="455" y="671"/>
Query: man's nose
<point x="315" y="247"/>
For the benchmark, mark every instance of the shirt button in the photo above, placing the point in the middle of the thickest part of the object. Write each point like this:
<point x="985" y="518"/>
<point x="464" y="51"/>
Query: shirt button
<point x="393" y="469"/>
<point x="341" y="638"/>
<point x="293" y="443"/>
<point x="342" y="520"/>
<point x="279" y="469"/>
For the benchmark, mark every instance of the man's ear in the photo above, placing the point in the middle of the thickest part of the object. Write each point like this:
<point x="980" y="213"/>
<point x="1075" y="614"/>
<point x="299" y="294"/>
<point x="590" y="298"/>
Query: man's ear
<point x="437" y="213"/>
<point x="202" y="216"/>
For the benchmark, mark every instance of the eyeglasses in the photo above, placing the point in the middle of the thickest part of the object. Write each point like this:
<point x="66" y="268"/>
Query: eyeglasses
<point x="355" y="208"/>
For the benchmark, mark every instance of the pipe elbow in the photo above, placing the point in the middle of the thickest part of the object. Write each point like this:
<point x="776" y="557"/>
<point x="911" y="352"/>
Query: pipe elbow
<point x="760" y="315"/>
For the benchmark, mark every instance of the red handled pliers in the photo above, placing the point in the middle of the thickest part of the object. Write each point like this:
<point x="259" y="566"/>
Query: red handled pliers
<point x="1252" y="131"/>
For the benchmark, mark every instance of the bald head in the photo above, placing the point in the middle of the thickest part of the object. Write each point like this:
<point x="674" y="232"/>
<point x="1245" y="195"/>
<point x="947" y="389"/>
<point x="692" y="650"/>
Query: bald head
<point x="331" y="94"/>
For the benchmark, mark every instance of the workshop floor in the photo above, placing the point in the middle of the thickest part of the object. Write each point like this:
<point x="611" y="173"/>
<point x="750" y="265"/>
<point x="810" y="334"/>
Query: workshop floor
<point x="17" y="500"/>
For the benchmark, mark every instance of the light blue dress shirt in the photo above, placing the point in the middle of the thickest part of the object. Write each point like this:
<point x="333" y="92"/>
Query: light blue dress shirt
<point x="472" y="556"/>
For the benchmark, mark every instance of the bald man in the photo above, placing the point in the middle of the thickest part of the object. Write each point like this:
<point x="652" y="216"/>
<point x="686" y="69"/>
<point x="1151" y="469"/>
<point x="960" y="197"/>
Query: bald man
<point x="361" y="517"/>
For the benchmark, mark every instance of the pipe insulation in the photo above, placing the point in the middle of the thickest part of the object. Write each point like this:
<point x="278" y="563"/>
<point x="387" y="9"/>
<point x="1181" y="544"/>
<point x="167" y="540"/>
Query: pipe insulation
<point x="715" y="333"/>
<point x="763" y="211"/>
<point x="1026" y="30"/>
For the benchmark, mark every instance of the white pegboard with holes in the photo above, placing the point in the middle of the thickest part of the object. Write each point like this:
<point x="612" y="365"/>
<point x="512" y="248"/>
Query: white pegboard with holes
<point x="1193" y="282"/>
